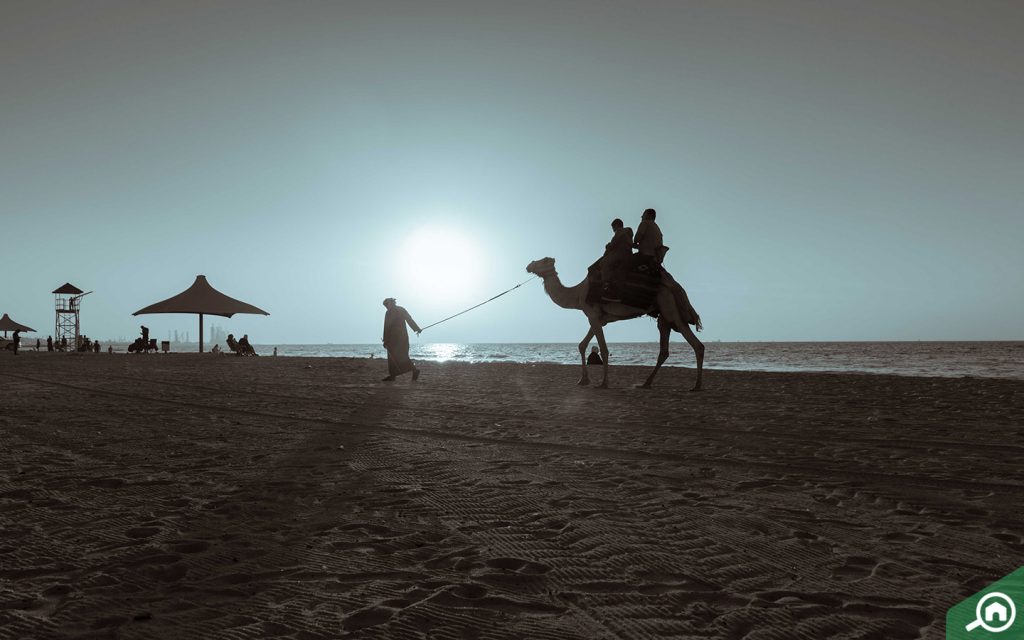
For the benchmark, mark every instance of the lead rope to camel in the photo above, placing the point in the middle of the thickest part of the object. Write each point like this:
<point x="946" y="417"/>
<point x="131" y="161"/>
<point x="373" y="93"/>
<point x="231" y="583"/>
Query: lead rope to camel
<point x="478" y="305"/>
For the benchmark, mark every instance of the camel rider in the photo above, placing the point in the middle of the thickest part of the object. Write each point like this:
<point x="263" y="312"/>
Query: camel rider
<point x="648" y="239"/>
<point x="616" y="258"/>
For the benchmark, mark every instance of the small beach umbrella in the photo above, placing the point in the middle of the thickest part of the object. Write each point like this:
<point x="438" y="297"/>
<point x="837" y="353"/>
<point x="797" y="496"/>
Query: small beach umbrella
<point x="203" y="299"/>
<point x="6" y="324"/>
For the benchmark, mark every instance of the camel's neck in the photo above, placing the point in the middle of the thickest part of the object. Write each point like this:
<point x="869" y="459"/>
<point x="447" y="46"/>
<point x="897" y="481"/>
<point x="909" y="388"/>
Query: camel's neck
<point x="565" y="297"/>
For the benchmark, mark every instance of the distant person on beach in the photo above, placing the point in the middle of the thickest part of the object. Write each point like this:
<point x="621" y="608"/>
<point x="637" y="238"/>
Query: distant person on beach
<point x="96" y="347"/>
<point x="49" y="343"/>
<point x="396" y="340"/>
<point x="215" y="350"/>
<point x="15" y="341"/>
<point x="648" y="238"/>
<point x="244" y="348"/>
<point x="145" y="337"/>
<point x="232" y="343"/>
<point x="616" y="256"/>
<point x="594" y="357"/>
<point x="64" y="343"/>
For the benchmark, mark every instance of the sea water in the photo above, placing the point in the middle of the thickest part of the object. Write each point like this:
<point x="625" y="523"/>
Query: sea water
<point x="944" y="359"/>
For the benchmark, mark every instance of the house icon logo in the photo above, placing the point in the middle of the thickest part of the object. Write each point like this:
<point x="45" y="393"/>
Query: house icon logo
<point x="990" y="613"/>
<point x="996" y="613"/>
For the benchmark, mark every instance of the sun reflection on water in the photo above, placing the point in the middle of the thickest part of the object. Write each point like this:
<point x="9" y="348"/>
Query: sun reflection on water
<point x="442" y="351"/>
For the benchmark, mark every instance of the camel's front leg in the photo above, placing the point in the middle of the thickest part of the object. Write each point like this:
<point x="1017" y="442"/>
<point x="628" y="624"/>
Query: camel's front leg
<point x="666" y="332"/>
<point x="698" y="350"/>
<point x="598" y="331"/>
<point x="585" y="379"/>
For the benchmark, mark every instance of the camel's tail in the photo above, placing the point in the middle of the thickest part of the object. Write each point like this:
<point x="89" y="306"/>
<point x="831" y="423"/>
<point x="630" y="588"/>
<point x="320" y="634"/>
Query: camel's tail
<point x="687" y="313"/>
<point x="686" y="310"/>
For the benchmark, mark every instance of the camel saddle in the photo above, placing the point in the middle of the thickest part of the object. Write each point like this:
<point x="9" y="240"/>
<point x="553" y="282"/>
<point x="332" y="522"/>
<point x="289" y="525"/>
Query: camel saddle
<point x="637" y="285"/>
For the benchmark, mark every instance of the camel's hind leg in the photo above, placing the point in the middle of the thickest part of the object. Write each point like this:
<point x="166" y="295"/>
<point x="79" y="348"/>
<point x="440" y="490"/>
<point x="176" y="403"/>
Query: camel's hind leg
<point x="665" y="330"/>
<point x="585" y="378"/>
<point x="698" y="350"/>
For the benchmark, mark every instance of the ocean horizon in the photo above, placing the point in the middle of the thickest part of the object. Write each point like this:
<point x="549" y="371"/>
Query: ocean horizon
<point x="982" y="359"/>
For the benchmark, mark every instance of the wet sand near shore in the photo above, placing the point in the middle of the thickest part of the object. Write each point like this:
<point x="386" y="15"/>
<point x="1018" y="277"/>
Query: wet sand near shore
<point x="196" y="496"/>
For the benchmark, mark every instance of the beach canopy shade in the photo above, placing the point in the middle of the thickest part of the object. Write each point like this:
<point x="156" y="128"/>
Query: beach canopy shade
<point x="202" y="299"/>
<point x="6" y="324"/>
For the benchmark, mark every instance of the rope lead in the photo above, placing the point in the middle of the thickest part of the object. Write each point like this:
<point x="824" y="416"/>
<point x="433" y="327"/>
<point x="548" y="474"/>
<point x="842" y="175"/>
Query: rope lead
<point x="478" y="305"/>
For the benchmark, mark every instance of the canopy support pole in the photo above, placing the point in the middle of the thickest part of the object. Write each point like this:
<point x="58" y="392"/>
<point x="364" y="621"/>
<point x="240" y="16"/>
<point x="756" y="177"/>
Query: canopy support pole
<point x="200" y="333"/>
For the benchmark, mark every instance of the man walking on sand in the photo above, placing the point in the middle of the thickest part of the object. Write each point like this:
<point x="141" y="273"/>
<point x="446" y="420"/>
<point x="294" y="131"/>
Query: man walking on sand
<point x="396" y="340"/>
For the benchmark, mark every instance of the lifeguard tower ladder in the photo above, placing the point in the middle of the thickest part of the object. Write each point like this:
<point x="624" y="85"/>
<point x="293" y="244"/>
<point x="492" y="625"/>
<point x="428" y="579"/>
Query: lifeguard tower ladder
<point x="67" y="300"/>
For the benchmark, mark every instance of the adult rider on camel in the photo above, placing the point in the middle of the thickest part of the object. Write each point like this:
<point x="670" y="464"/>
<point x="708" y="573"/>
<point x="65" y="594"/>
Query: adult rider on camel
<point x="615" y="260"/>
<point x="648" y="239"/>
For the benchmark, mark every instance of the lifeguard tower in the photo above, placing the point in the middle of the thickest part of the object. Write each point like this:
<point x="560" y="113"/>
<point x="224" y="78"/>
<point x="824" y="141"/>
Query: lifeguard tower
<point x="67" y="301"/>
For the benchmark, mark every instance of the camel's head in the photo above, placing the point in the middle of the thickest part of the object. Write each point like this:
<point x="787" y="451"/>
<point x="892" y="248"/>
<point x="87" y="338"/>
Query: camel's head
<point x="544" y="267"/>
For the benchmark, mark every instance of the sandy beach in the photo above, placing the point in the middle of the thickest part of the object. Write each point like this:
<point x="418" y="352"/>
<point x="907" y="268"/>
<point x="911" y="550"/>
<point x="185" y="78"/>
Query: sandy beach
<point x="195" y="496"/>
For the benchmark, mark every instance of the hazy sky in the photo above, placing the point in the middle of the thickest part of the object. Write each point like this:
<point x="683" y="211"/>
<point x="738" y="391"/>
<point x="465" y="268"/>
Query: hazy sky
<point x="821" y="170"/>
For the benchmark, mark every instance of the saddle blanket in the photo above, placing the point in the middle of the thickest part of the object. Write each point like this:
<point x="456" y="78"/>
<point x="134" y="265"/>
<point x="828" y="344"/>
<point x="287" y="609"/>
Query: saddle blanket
<point x="638" y="286"/>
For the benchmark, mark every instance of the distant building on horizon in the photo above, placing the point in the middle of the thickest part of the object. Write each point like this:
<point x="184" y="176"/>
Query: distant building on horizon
<point x="217" y="334"/>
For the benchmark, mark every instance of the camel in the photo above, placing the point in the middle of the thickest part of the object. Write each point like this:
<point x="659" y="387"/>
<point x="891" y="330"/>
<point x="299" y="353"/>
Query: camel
<point x="671" y="304"/>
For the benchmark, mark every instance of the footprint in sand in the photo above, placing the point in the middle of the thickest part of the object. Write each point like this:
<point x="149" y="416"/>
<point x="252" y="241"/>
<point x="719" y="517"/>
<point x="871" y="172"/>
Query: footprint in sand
<point x="902" y="621"/>
<point x="472" y="596"/>
<point x="108" y="622"/>
<point x="370" y="617"/>
<point x="408" y="599"/>
<point x="899" y="536"/>
<point x="105" y="483"/>
<point x="551" y="529"/>
<point x="855" y="568"/>
<point x="516" y="565"/>
<point x="172" y="573"/>
<point x="831" y="600"/>
<point x="46" y="606"/>
<point x="1011" y="539"/>
<point x="17" y="494"/>
<point x="513" y="573"/>
<point x="188" y="546"/>
<point x="142" y="532"/>
<point x="755" y="484"/>
<point x="470" y="591"/>
<point x="677" y="583"/>
<point x="806" y="536"/>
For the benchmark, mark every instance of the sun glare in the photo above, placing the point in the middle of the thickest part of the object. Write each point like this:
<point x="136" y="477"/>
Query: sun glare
<point x="440" y="265"/>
